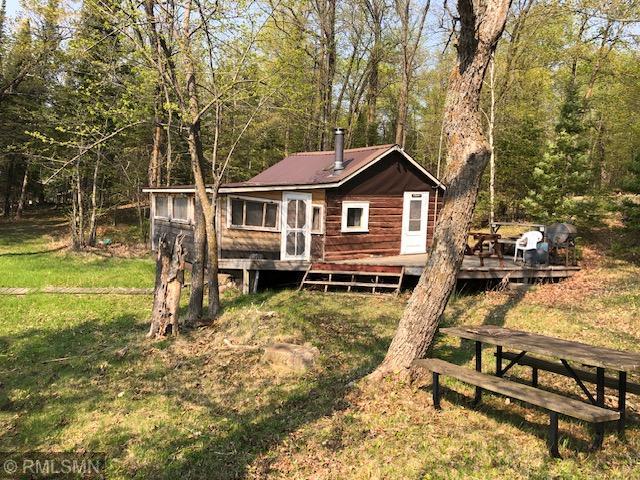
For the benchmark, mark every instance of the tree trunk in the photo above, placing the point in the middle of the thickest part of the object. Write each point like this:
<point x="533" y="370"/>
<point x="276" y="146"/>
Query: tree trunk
<point x="492" y="159"/>
<point x="169" y="281"/>
<point x="23" y="192"/>
<point x="197" y="265"/>
<point x="408" y="47"/>
<point x="375" y="9"/>
<point x="327" y="16"/>
<point x="7" y="192"/>
<point x="75" y="242"/>
<point x="80" y="202"/>
<point x="93" y="220"/>
<point x="208" y="205"/>
<point x="154" y="162"/>
<point x="481" y="24"/>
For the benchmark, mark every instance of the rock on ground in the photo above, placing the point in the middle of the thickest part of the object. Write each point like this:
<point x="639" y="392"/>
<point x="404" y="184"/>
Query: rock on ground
<point x="296" y="358"/>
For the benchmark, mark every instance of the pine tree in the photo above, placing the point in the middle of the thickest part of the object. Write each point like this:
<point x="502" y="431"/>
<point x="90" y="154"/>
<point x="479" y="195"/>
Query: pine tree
<point x="564" y="170"/>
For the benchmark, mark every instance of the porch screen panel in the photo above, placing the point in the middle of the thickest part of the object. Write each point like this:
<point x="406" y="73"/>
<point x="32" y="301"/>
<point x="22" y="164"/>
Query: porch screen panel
<point x="296" y="221"/>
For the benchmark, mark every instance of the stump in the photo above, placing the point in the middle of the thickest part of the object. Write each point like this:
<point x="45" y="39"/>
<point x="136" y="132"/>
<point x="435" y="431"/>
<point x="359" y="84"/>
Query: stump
<point x="170" y="264"/>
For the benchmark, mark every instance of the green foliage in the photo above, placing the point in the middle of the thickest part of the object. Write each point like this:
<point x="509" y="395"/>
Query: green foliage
<point x="564" y="170"/>
<point x="630" y="211"/>
<point x="631" y="181"/>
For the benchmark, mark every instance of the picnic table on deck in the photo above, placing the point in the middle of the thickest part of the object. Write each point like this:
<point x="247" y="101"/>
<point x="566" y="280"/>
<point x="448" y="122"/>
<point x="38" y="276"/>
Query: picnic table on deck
<point x="493" y="244"/>
<point x="565" y="350"/>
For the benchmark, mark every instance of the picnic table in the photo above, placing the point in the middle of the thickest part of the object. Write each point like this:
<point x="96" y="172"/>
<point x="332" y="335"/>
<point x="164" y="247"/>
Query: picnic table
<point x="494" y="246"/>
<point x="527" y="350"/>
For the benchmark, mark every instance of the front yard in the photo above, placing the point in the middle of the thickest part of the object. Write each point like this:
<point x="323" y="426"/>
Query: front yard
<point x="76" y="373"/>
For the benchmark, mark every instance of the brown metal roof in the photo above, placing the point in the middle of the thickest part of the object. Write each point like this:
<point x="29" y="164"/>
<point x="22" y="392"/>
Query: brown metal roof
<point x="313" y="168"/>
<point x="308" y="169"/>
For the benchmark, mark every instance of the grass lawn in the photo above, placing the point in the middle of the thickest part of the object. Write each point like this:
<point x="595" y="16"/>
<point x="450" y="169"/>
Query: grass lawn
<point x="77" y="373"/>
<point x="32" y="254"/>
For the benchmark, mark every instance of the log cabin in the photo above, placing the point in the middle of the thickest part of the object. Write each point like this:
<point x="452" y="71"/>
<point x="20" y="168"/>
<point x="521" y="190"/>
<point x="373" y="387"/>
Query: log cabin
<point x="361" y="218"/>
<point x="316" y="206"/>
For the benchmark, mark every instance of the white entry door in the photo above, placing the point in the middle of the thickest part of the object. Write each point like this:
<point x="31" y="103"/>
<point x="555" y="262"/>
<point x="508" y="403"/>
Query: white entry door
<point x="296" y="226"/>
<point x="415" y="217"/>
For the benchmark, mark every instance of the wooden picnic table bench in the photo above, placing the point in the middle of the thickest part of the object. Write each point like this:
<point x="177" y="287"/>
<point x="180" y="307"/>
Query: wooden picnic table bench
<point x="553" y="402"/>
<point x="530" y="343"/>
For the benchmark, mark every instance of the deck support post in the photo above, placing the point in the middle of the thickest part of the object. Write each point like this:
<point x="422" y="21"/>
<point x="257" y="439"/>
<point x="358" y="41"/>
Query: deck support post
<point x="478" y="396"/>
<point x="436" y="390"/>
<point x="553" y="435"/>
<point x="534" y="377"/>
<point x="249" y="281"/>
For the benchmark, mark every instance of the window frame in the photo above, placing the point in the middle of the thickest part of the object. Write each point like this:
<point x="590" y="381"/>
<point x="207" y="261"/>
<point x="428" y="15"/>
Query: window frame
<point x="230" y="224"/>
<point x="322" y="222"/>
<point x="169" y="207"/>
<point x="190" y="210"/>
<point x="364" y="228"/>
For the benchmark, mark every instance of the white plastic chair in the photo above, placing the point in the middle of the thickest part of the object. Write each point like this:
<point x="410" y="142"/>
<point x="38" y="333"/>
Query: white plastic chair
<point x="528" y="241"/>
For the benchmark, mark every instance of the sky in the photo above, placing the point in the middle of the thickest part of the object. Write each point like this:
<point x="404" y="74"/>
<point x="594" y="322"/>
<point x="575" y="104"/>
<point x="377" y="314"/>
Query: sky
<point x="12" y="7"/>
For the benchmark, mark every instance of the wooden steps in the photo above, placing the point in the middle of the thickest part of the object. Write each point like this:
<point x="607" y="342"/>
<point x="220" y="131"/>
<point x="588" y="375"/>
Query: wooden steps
<point x="353" y="278"/>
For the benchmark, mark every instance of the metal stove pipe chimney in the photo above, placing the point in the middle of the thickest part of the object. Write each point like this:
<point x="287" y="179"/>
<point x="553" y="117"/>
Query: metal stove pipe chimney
<point x="339" y="148"/>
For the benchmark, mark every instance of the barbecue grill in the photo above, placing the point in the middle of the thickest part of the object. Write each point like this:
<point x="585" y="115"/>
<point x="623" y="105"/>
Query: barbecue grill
<point x="561" y="238"/>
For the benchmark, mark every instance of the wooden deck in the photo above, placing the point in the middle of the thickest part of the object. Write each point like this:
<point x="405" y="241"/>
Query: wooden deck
<point x="413" y="266"/>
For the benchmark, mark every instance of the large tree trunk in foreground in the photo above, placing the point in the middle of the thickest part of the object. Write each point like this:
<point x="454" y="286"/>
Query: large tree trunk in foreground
<point x="481" y="24"/>
<point x="169" y="280"/>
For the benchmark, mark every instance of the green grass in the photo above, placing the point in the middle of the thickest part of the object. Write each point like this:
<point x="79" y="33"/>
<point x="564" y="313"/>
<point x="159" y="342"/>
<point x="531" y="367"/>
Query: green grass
<point x="190" y="407"/>
<point x="34" y="253"/>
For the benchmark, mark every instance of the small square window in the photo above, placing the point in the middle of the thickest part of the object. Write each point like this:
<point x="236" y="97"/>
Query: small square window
<point x="355" y="216"/>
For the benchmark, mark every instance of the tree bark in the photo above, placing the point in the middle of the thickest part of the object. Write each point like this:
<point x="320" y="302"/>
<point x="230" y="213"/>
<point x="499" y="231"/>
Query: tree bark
<point x="7" y="192"/>
<point x="375" y="9"/>
<point x="80" y="202"/>
<point x="208" y="205"/>
<point x="169" y="281"/>
<point x="481" y="25"/>
<point x="93" y="219"/>
<point x="492" y="158"/>
<point x="23" y="192"/>
<point x="154" y="163"/>
<point x="326" y="10"/>
<point x="409" y="48"/>
<point x="197" y="265"/>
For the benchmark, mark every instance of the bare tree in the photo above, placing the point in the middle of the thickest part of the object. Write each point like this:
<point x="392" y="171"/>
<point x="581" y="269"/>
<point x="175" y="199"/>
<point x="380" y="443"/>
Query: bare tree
<point x="481" y="25"/>
<point x="376" y="10"/>
<point x="202" y="91"/>
<point x="410" y="35"/>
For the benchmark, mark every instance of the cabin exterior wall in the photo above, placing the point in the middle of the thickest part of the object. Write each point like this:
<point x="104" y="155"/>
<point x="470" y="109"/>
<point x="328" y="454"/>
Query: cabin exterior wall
<point x="394" y="177"/>
<point x="251" y="243"/>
